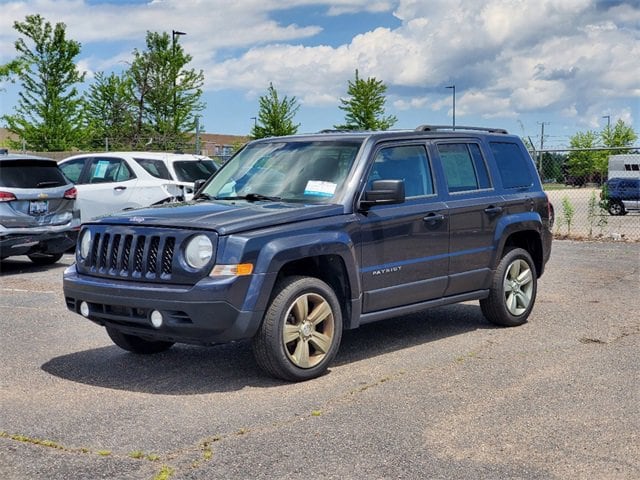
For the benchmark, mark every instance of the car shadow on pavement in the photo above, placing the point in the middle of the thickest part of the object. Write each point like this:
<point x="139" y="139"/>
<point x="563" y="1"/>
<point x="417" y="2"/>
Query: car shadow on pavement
<point x="192" y="370"/>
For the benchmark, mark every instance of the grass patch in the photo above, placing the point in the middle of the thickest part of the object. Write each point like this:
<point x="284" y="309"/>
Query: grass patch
<point x="31" y="440"/>
<point x="165" y="473"/>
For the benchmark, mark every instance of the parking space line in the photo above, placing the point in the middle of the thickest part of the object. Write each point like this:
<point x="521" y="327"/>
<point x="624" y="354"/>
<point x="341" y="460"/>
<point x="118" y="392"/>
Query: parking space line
<point x="22" y="290"/>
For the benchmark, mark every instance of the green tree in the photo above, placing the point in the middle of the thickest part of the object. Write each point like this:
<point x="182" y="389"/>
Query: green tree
<point x="109" y="111"/>
<point x="365" y="106"/>
<point x="275" y="116"/>
<point x="584" y="164"/>
<point x="551" y="166"/>
<point x="621" y="135"/>
<point x="166" y="95"/>
<point x="47" y="116"/>
<point x="9" y="71"/>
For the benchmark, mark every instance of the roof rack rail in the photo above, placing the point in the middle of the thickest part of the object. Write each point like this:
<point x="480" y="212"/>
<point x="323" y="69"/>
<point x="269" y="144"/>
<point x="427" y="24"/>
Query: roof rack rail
<point x="435" y="128"/>
<point x="335" y="130"/>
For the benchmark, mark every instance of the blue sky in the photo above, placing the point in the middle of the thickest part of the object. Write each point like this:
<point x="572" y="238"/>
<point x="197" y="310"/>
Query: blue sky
<point x="515" y="63"/>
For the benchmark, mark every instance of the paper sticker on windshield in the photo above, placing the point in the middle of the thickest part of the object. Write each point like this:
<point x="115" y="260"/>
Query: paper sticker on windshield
<point x="320" y="189"/>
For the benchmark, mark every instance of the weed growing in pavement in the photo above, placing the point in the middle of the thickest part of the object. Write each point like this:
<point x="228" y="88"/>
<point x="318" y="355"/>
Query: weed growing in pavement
<point x="568" y="211"/>
<point x="596" y="214"/>
<point x="165" y="473"/>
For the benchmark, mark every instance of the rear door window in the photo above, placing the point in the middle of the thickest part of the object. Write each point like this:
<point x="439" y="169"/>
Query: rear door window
<point x="31" y="174"/>
<point x="464" y="167"/>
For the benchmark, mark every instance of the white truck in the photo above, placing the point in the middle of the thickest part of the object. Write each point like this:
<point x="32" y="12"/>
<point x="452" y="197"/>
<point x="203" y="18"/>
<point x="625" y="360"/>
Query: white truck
<point x="624" y="165"/>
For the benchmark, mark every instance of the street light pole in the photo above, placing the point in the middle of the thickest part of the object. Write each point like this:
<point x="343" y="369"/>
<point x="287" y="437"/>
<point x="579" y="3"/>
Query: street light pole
<point x="453" y="87"/>
<point x="174" y="34"/>
<point x="608" y="117"/>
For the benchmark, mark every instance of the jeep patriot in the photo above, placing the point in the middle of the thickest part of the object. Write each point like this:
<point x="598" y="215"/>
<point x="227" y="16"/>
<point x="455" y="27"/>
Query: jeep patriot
<point x="297" y="238"/>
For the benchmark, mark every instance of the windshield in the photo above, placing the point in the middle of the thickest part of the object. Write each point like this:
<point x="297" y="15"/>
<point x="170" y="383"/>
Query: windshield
<point x="292" y="171"/>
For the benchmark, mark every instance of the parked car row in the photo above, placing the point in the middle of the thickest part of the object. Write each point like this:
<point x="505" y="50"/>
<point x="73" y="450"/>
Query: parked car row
<point x="42" y="202"/>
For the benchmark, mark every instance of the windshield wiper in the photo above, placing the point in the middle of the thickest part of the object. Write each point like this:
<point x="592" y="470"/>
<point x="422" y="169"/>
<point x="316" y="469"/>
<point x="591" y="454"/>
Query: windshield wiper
<point x="204" y="196"/>
<point x="252" y="197"/>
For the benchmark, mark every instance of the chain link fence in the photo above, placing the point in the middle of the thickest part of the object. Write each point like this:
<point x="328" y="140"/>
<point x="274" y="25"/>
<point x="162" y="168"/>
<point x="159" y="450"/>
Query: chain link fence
<point x="587" y="206"/>
<point x="580" y="201"/>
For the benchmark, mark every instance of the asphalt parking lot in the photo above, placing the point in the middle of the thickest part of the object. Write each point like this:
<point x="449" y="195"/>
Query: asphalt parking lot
<point x="442" y="394"/>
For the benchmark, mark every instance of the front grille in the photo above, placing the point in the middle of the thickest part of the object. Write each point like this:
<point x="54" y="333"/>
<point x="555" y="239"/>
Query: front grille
<point x="131" y="255"/>
<point x="145" y="254"/>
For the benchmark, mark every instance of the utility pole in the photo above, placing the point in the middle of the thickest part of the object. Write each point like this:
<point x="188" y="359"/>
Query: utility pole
<point x="453" y="87"/>
<point x="197" y="134"/>
<point x="542" y="124"/>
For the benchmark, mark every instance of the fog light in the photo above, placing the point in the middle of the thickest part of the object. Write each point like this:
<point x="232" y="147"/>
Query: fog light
<point x="84" y="309"/>
<point x="156" y="319"/>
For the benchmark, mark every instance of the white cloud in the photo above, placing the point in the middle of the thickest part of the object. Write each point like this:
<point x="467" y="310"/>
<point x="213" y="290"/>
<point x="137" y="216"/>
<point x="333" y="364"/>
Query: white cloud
<point x="506" y="57"/>
<point x="411" y="103"/>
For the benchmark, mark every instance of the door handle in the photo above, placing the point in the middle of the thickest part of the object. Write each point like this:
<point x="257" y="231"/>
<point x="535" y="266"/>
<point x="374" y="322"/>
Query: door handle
<point x="493" y="210"/>
<point x="433" y="218"/>
<point x="120" y="188"/>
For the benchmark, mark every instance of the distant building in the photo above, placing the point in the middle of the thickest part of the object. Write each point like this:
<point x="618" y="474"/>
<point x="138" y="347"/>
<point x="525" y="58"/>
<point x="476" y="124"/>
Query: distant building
<point x="221" y="146"/>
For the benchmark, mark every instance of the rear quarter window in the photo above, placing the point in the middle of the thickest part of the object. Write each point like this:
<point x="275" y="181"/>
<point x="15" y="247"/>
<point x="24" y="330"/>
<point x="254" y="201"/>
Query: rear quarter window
<point x="156" y="168"/>
<point x="31" y="174"/>
<point x="513" y="165"/>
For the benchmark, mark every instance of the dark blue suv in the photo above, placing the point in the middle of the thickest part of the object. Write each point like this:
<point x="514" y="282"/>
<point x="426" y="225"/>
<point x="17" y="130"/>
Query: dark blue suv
<point x="297" y="238"/>
<point x="622" y="195"/>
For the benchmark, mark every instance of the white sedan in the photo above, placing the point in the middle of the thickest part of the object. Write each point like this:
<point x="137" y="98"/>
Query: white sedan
<point x="114" y="181"/>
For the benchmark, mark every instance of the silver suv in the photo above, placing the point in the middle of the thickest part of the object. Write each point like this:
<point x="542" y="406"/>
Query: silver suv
<point x="38" y="217"/>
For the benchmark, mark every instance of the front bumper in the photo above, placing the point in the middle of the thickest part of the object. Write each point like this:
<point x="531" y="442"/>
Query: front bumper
<point x="206" y="313"/>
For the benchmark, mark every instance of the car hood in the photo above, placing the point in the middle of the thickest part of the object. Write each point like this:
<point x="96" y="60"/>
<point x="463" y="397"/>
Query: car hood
<point x="224" y="217"/>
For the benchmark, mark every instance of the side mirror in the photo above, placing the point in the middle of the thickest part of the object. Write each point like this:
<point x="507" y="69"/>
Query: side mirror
<point x="198" y="184"/>
<point x="383" y="192"/>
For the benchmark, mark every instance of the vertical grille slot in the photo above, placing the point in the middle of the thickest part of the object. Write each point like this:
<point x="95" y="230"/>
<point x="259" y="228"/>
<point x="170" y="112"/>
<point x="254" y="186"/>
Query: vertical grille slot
<point x="153" y="256"/>
<point x="138" y="254"/>
<point x="102" y="252"/>
<point x="94" y="250"/>
<point x="167" y="255"/>
<point x="126" y="253"/>
<point x="114" y="251"/>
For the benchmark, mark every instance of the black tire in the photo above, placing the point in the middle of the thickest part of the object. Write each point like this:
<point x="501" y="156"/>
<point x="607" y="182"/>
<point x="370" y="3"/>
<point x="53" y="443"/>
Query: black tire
<point x="311" y="344"/>
<point x="135" y="344"/>
<point x="513" y="290"/>
<point x="616" y="208"/>
<point x="45" y="258"/>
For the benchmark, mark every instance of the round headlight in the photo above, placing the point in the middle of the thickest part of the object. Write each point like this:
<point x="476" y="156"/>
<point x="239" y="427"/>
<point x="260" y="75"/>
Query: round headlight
<point x="198" y="251"/>
<point x="85" y="244"/>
